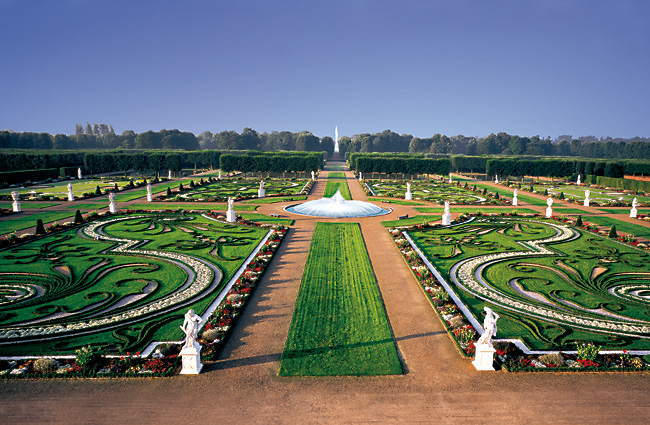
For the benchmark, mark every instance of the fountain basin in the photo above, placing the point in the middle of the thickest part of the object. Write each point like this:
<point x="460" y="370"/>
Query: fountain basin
<point x="337" y="207"/>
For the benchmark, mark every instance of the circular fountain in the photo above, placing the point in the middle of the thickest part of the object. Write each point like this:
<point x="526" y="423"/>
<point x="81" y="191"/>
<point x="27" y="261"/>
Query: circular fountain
<point x="337" y="207"/>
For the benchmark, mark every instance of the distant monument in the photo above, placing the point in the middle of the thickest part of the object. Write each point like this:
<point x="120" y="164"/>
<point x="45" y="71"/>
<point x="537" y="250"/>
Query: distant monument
<point x="111" y="203"/>
<point x="79" y="173"/>
<point x="446" y="216"/>
<point x="16" y="201"/>
<point x="408" y="196"/>
<point x="261" y="192"/>
<point x="230" y="214"/>
<point x="496" y="179"/>
<point x="191" y="352"/>
<point x="578" y="182"/>
<point x="336" y="139"/>
<point x="633" y="211"/>
<point x="484" y="349"/>
<point x="587" y="194"/>
<point x="149" y="194"/>
<point x="70" y="193"/>
<point x="549" y="210"/>
<point x="514" y="198"/>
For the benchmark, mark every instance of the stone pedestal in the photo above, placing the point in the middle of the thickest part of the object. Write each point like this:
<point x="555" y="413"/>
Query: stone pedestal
<point x="586" y="203"/>
<point x="16" y="206"/>
<point x="191" y="360"/>
<point x="446" y="219"/>
<point x="261" y="193"/>
<point x="484" y="357"/>
<point x="112" y="207"/>
<point x="514" y="201"/>
<point x="408" y="196"/>
<point x="70" y="196"/>
<point x="149" y="197"/>
<point x="633" y="212"/>
<point x="549" y="212"/>
<point x="230" y="216"/>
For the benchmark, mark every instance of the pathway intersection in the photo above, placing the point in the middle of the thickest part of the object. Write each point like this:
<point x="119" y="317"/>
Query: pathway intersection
<point x="243" y="386"/>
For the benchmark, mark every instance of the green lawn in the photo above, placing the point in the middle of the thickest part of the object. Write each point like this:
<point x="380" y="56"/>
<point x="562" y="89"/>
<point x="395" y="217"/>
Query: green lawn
<point x="475" y="209"/>
<point x="418" y="219"/>
<point x="624" y="210"/>
<point x="395" y="201"/>
<point x="561" y="210"/>
<point x="93" y="206"/>
<point x="336" y="175"/>
<point x="28" y="205"/>
<point x="621" y="226"/>
<point x="20" y="222"/>
<point x="333" y="186"/>
<point x="261" y="218"/>
<point x="274" y="200"/>
<point x="339" y="325"/>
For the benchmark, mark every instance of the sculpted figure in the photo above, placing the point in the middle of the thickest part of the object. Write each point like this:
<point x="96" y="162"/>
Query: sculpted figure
<point x="489" y="325"/>
<point x="190" y="327"/>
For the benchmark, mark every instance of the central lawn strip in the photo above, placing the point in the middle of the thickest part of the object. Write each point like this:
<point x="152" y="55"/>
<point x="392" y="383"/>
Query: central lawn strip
<point x="336" y="175"/>
<point x="339" y="326"/>
<point x="418" y="219"/>
<point x="26" y="221"/>
<point x="621" y="226"/>
<point x="394" y="201"/>
<point x="332" y="186"/>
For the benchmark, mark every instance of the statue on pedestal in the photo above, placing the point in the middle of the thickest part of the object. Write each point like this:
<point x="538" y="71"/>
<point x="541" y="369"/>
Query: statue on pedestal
<point x="70" y="193"/>
<point x="111" y="203"/>
<point x="190" y="327"/>
<point x="446" y="216"/>
<point x="549" y="210"/>
<point x="587" y="194"/>
<point x="578" y="182"/>
<point x="313" y="176"/>
<point x="489" y="327"/>
<point x="408" y="196"/>
<point x="633" y="211"/>
<point x="514" y="198"/>
<point x="15" y="196"/>
<point x="149" y="194"/>
<point x="496" y="179"/>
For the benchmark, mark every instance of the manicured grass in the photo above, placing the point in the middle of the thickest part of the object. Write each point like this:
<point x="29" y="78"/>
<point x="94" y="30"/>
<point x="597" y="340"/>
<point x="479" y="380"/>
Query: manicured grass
<point x="21" y="222"/>
<point x="336" y="175"/>
<point x="91" y="207"/>
<point x="455" y="208"/>
<point x="189" y="206"/>
<point x="429" y="191"/>
<point x="418" y="219"/>
<point x="621" y="226"/>
<point x="274" y="200"/>
<point x="87" y="279"/>
<point x="333" y="186"/>
<point x="584" y="278"/>
<point x="261" y="218"/>
<point x="623" y="210"/>
<point x="27" y="205"/>
<point x="561" y="210"/>
<point x="395" y="201"/>
<point x="339" y="326"/>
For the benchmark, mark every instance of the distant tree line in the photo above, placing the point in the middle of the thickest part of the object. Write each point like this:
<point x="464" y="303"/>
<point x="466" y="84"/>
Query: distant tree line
<point x="277" y="162"/>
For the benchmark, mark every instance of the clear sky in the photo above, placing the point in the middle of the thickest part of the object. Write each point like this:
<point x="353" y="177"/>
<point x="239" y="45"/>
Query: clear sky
<point x="472" y="67"/>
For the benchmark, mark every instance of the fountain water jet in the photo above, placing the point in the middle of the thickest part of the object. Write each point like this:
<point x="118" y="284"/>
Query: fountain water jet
<point x="337" y="207"/>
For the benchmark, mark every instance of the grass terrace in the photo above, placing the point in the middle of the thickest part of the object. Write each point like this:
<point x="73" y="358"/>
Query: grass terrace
<point x="339" y="325"/>
<point x="336" y="181"/>
<point x="21" y="222"/>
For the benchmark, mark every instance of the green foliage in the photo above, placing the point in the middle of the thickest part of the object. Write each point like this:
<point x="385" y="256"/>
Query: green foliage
<point x="339" y="326"/>
<point x="40" y="229"/>
<point x="88" y="357"/>
<point x="98" y="190"/>
<point x="579" y="221"/>
<point x="169" y="191"/>
<point x="587" y="351"/>
<point x="612" y="232"/>
<point x="78" y="218"/>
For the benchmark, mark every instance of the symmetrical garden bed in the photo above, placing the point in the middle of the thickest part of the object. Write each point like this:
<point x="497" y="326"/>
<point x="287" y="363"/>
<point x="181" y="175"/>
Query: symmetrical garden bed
<point x="554" y="286"/>
<point x="439" y="192"/>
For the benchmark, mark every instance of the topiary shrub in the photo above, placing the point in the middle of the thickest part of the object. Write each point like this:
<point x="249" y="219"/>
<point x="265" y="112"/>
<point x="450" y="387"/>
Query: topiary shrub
<point x="45" y="365"/>
<point x="612" y="232"/>
<point x="78" y="219"/>
<point x="98" y="191"/>
<point x="579" y="221"/>
<point x="40" y="229"/>
<point x="192" y="184"/>
<point x="169" y="191"/>
<point x="561" y="195"/>
<point x="180" y="187"/>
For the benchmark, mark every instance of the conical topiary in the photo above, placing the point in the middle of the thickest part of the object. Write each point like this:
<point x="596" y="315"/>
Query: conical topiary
<point x="579" y="221"/>
<point x="496" y="195"/>
<point x="78" y="219"/>
<point x="40" y="229"/>
<point x="115" y="186"/>
<point x="192" y="183"/>
<point x="169" y="191"/>
<point x="98" y="191"/>
<point x="561" y="195"/>
<point x="180" y="187"/>
<point x="612" y="232"/>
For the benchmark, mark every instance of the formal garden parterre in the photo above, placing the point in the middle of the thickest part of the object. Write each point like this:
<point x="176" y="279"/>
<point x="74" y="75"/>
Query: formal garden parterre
<point x="456" y="193"/>
<point x="121" y="284"/>
<point x="567" y="297"/>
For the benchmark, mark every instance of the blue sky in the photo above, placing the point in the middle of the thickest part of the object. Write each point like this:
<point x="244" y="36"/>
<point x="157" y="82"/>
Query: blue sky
<point x="471" y="67"/>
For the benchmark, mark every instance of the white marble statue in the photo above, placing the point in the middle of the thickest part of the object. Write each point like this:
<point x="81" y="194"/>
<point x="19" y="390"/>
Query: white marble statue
<point x="261" y="184"/>
<point x="219" y="174"/>
<point x="587" y="200"/>
<point x="489" y="327"/>
<point x="549" y="210"/>
<point x="191" y="326"/>
<point x="261" y="193"/>
<point x="450" y="180"/>
<point x="633" y="211"/>
<point x="111" y="202"/>
<point x="70" y="193"/>
<point x="149" y="194"/>
<point x="408" y="196"/>
<point x="230" y="214"/>
<point x="578" y="182"/>
<point x="360" y="176"/>
<point x="496" y="179"/>
<point x="313" y="176"/>
<point x="446" y="216"/>
<point x="514" y="198"/>
<point x="169" y="174"/>
<point x="79" y="173"/>
<point x="15" y="196"/>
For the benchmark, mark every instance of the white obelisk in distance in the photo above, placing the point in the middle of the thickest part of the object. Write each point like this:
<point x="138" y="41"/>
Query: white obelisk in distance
<point x="336" y="139"/>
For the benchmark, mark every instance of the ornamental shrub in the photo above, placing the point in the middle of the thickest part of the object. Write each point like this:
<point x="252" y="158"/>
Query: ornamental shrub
<point x="561" y="195"/>
<point x="579" y="221"/>
<point x="192" y="184"/>
<point x="612" y="232"/>
<point x="45" y="365"/>
<point x="40" y="229"/>
<point x="88" y="357"/>
<point x="554" y="359"/>
<point x="485" y="191"/>
<point x="169" y="191"/>
<point x="210" y="335"/>
<point x="78" y="219"/>
<point x="587" y="351"/>
<point x="496" y="195"/>
<point x="545" y="192"/>
<point x="115" y="186"/>
<point x="180" y="187"/>
<point x="98" y="191"/>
